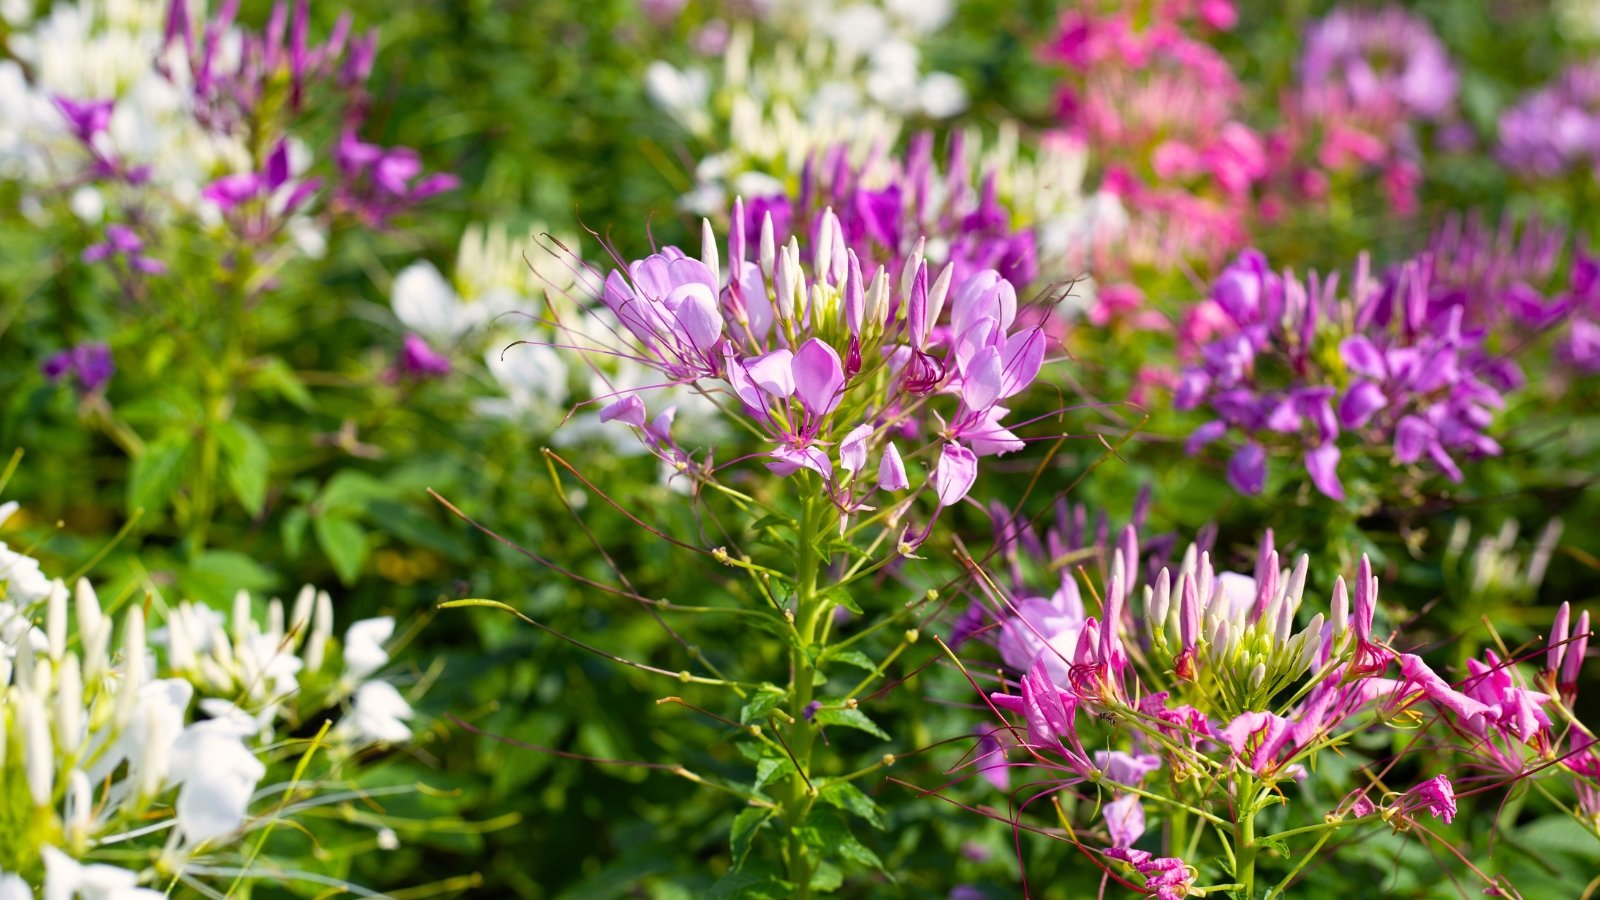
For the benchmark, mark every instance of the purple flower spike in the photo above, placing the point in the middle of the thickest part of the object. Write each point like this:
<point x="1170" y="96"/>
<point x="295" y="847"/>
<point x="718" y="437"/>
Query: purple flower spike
<point x="1360" y="402"/>
<point x="1435" y="796"/>
<point x="56" y="366"/>
<point x="891" y="471"/>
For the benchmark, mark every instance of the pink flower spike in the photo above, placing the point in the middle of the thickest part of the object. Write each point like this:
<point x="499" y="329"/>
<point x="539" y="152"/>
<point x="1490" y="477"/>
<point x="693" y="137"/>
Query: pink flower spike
<point x="1049" y="715"/>
<point x="819" y="377"/>
<point x="891" y="471"/>
<point x="1261" y="734"/>
<point x="954" y="474"/>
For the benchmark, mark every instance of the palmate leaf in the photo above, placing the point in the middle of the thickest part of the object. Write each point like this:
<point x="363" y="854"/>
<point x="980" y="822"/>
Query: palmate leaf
<point x="848" y="797"/>
<point x="157" y="472"/>
<point x="825" y="831"/>
<point x="850" y="718"/>
<point x="245" y="464"/>
<point x="345" y="544"/>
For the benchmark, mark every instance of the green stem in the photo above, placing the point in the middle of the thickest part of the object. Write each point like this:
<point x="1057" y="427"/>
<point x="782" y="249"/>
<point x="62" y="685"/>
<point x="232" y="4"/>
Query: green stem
<point x="1244" y="868"/>
<point x="801" y="732"/>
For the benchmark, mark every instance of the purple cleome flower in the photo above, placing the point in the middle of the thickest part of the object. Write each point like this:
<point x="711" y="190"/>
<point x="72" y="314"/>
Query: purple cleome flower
<point x="832" y="368"/>
<point x="1384" y="59"/>
<point x="1554" y="130"/>
<point x="90" y="366"/>
<point x="1390" y="364"/>
<point x="886" y="207"/>
<point x="123" y="243"/>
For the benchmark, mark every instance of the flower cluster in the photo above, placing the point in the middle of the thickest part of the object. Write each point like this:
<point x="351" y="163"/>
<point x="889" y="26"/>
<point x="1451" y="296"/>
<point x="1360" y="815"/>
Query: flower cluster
<point x="1160" y="110"/>
<point x="89" y="366"/>
<point x="886" y="207"/>
<point x="797" y="79"/>
<point x="1296" y="365"/>
<point x="108" y="739"/>
<point x="832" y="368"/>
<point x="1217" y="681"/>
<point x="177" y="118"/>
<point x="1367" y="79"/>
<point x="1554" y="130"/>
<point x="1507" y="280"/>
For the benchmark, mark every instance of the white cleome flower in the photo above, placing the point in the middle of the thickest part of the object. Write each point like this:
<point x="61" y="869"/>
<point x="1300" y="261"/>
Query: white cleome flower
<point x="216" y="774"/>
<point x="67" y="879"/>
<point x="378" y="715"/>
<point x="363" y="647"/>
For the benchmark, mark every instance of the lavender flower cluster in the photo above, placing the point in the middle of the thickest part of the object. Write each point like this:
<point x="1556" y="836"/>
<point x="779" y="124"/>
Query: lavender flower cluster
<point x="1384" y="366"/>
<point x="826" y="364"/>
<point x="885" y="206"/>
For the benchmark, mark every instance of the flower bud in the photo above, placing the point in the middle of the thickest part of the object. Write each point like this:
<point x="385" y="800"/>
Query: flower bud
<point x="38" y="756"/>
<point x="938" y="293"/>
<point x="1339" y="609"/>
<point x="69" y="706"/>
<point x="1558" y="638"/>
<point x="708" y="250"/>
<point x="243" y="624"/>
<point x="768" y="248"/>
<point x="133" y="665"/>
<point x="1160" y="601"/>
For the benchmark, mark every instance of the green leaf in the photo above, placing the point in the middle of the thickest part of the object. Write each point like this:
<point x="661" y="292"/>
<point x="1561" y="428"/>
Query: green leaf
<point x="771" y="769"/>
<point x="216" y="575"/>
<point x="745" y="826"/>
<point x="827" y="878"/>
<point x="852" y="657"/>
<point x="157" y="472"/>
<point x="747" y="885"/>
<point x="825" y="830"/>
<point x="245" y="463"/>
<point x="275" y="376"/>
<point x="781" y="523"/>
<point x="849" y="798"/>
<point x="344" y="543"/>
<point x="850" y="718"/>
<point x="350" y="492"/>
<point x="294" y="531"/>
<point x="844" y="599"/>
<point x="414" y="528"/>
<point x="763" y="702"/>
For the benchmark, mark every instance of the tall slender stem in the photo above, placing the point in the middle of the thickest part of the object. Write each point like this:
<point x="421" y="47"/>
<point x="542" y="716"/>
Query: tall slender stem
<point x="802" y="734"/>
